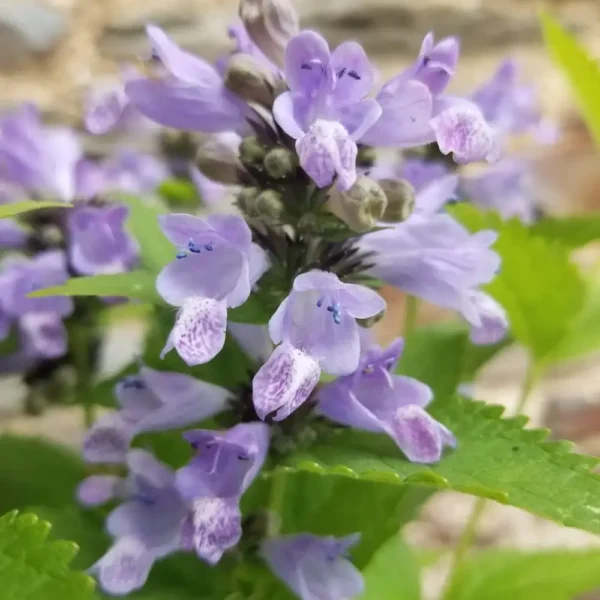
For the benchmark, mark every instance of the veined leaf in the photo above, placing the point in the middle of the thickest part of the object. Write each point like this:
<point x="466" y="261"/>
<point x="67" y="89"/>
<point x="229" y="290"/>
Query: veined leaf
<point x="496" y="458"/>
<point x="573" y="231"/>
<point x="155" y="249"/>
<point x="16" y="208"/>
<point x="547" y="575"/>
<point x="139" y="285"/>
<point x="540" y="289"/>
<point x="581" y="70"/>
<point x="33" y="568"/>
<point x="393" y="573"/>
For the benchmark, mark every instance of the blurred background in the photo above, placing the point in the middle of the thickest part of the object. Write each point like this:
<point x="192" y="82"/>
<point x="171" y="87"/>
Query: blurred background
<point x="53" y="51"/>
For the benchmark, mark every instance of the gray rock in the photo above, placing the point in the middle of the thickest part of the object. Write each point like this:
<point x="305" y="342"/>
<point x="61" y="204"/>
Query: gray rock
<point x="28" y="27"/>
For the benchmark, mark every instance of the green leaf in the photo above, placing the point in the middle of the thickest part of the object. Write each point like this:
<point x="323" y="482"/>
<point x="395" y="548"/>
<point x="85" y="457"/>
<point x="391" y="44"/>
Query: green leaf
<point x="496" y="458"/>
<point x="442" y="356"/>
<point x="179" y="193"/>
<point x="338" y="506"/>
<point x="393" y="573"/>
<point x="540" y="289"/>
<point x="580" y="69"/>
<point x="16" y="208"/>
<point x="258" y="309"/>
<point x="33" y="472"/>
<point x="155" y="249"/>
<point x="583" y="335"/>
<point x="139" y="285"/>
<point x="573" y="231"/>
<point x="547" y="575"/>
<point x="33" y="568"/>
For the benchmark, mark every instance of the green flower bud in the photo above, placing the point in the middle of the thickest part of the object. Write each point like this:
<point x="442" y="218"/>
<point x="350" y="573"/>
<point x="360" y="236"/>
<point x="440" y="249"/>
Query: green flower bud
<point x="400" y="200"/>
<point x="246" y="200"/>
<point x="366" y="156"/>
<point x="250" y="80"/>
<point x="281" y="163"/>
<point x="252" y="152"/>
<point x="269" y="205"/>
<point x="178" y="144"/>
<point x="361" y="207"/>
<point x="219" y="161"/>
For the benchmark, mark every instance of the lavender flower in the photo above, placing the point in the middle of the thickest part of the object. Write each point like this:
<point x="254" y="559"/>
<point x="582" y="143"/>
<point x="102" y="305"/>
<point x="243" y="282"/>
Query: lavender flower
<point x="316" y="329"/>
<point x="375" y="399"/>
<point x="41" y="160"/>
<point x="506" y="188"/>
<point x="133" y="172"/>
<point x="151" y="401"/>
<point x="326" y="109"/>
<point x="12" y="235"/>
<point x="433" y="257"/>
<point x="315" y="568"/>
<point x="215" y="267"/>
<point x="191" y="94"/>
<point x="213" y="483"/>
<point x="415" y="111"/>
<point x="98" y="241"/>
<point x="39" y="319"/>
<point x="146" y="527"/>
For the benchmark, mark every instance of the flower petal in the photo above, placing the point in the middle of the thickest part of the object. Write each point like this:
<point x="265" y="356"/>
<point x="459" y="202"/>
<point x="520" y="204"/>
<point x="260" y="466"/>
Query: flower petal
<point x="432" y="197"/>
<point x="284" y="382"/>
<point x="253" y="339"/>
<point x="199" y="331"/>
<point x="284" y="111"/>
<point x="96" y="490"/>
<point x="125" y="567"/>
<point x="184" y="106"/>
<point x="232" y="228"/>
<point x="353" y="71"/>
<point x="359" y="117"/>
<point x="326" y="152"/>
<point x="308" y="64"/>
<point x="210" y="274"/>
<point x="180" y="228"/>
<point x="216" y="527"/>
<point x="105" y="112"/>
<point x="405" y="117"/>
<point x="417" y="434"/>
<point x="460" y="128"/>
<point x="178" y="62"/>
<point x="44" y="334"/>
<point x="361" y="302"/>
<point x="107" y="441"/>
<point x="493" y="321"/>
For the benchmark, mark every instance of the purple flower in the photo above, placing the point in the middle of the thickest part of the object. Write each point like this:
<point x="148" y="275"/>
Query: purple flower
<point x="39" y="319"/>
<point x="326" y="109"/>
<point x="433" y="257"/>
<point x="151" y="401"/>
<point x="244" y="45"/>
<point x="507" y="104"/>
<point x="213" y="483"/>
<point x="375" y="399"/>
<point x="134" y="172"/>
<point x="316" y="329"/>
<point x="190" y="95"/>
<point x="98" y="240"/>
<point x="505" y="187"/>
<point x="110" y="109"/>
<point x="415" y="112"/>
<point x="314" y="567"/>
<point x="420" y="173"/>
<point x="12" y="235"/>
<point x="211" y="192"/>
<point x="215" y="268"/>
<point x="145" y="528"/>
<point x="42" y="160"/>
<point x="487" y="318"/>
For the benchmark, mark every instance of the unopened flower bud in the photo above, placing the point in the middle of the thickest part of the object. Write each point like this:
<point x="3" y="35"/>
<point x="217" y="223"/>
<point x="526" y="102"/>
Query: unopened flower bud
<point x="270" y="25"/>
<point x="178" y="144"/>
<point x="400" y="200"/>
<point x="252" y="151"/>
<point x="250" y="80"/>
<point x="218" y="160"/>
<point x="361" y="207"/>
<point x="366" y="156"/>
<point x="269" y="204"/>
<point x="281" y="163"/>
<point x="246" y="200"/>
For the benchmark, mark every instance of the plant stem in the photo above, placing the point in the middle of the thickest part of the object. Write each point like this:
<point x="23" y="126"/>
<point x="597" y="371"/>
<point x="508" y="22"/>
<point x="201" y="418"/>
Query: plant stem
<point x="276" y="497"/>
<point x="466" y="539"/>
<point x="410" y="315"/>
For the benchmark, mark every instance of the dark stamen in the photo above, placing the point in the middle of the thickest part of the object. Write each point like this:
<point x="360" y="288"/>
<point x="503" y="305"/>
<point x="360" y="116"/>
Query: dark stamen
<point x="306" y="67"/>
<point x="354" y="75"/>
<point x="341" y="72"/>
